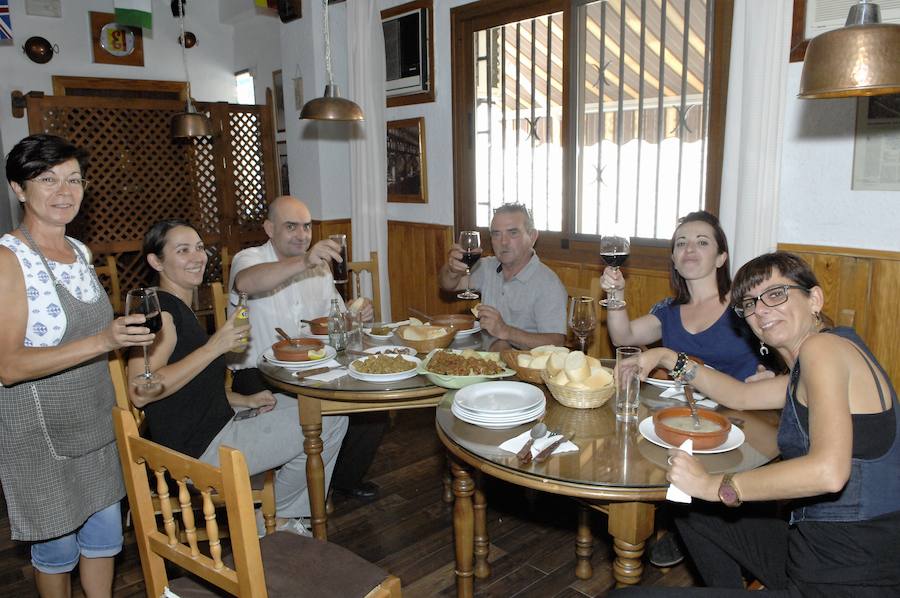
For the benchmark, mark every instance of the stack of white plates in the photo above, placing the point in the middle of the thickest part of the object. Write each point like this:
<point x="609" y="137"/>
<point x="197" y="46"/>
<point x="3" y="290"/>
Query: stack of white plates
<point x="499" y="405"/>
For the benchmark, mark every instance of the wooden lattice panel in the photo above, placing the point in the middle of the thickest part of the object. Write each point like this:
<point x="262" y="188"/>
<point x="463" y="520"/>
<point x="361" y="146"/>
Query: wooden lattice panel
<point x="139" y="175"/>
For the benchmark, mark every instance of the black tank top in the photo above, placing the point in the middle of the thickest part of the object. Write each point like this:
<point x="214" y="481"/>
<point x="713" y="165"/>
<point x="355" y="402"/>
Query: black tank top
<point x="189" y="419"/>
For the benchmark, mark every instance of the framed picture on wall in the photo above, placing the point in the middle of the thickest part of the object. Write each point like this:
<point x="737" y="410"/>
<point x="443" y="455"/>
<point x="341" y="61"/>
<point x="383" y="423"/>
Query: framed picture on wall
<point x="283" y="172"/>
<point x="409" y="53"/>
<point x="406" y="165"/>
<point x="278" y="91"/>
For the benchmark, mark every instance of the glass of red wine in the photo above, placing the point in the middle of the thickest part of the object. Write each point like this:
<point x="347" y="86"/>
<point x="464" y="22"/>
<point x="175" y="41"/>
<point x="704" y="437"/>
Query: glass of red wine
<point x="145" y="301"/>
<point x="470" y="241"/>
<point x="614" y="247"/>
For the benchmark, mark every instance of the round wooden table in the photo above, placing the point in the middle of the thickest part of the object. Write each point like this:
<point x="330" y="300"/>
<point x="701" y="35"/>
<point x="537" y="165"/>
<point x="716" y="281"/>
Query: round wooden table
<point x="616" y="471"/>
<point x="347" y="395"/>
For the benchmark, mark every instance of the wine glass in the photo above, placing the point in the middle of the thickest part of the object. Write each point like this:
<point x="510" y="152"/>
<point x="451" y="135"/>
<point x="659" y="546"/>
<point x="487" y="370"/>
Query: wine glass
<point x="614" y="247"/>
<point x="582" y="318"/>
<point x="470" y="241"/>
<point x="145" y="301"/>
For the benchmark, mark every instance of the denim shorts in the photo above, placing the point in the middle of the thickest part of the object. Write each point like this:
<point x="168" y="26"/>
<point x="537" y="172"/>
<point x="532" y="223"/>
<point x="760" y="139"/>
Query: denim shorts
<point x="100" y="536"/>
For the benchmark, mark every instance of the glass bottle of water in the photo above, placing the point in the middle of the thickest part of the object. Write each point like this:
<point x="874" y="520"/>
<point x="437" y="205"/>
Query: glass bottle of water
<point x="337" y="330"/>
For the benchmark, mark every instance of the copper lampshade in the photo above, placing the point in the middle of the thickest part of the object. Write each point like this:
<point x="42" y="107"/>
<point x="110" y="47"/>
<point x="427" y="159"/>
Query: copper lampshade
<point x="190" y="124"/>
<point x="860" y="59"/>
<point x="331" y="107"/>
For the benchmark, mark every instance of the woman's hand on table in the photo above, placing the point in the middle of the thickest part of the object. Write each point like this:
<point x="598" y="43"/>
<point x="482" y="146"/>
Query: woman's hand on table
<point x="123" y="333"/>
<point x="688" y="474"/>
<point x="229" y="337"/>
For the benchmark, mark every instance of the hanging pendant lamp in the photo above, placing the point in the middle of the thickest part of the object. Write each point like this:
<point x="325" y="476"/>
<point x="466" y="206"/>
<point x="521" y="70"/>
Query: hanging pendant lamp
<point x="331" y="106"/>
<point x="860" y="59"/>
<point x="189" y="123"/>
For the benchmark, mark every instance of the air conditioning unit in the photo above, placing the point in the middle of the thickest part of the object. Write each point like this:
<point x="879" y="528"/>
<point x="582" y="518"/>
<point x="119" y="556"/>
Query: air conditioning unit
<point x="825" y="15"/>
<point x="406" y="52"/>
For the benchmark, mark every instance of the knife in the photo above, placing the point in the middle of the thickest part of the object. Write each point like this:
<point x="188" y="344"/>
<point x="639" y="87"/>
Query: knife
<point x="548" y="450"/>
<point x="314" y="372"/>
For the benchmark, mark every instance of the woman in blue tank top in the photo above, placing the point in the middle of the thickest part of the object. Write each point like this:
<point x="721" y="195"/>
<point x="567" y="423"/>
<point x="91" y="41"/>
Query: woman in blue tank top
<point x="696" y="320"/>
<point x="840" y="444"/>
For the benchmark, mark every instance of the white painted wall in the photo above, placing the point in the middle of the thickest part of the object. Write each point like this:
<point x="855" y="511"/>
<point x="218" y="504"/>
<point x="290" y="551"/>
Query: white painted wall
<point x="261" y="59"/>
<point x="816" y="204"/>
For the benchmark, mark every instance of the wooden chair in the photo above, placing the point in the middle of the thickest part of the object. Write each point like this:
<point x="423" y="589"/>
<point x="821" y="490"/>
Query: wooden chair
<point x="220" y="304"/>
<point x="255" y="568"/>
<point x="225" y="257"/>
<point x="111" y="271"/>
<point x="355" y="268"/>
<point x="263" y="484"/>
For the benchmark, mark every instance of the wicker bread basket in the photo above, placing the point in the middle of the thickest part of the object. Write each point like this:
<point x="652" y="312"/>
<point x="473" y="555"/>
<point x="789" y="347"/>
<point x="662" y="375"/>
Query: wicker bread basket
<point x="579" y="399"/>
<point x="425" y="346"/>
<point x="511" y="358"/>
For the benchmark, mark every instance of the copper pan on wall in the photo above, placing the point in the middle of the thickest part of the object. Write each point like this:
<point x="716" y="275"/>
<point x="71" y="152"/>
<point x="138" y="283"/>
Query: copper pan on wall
<point x="39" y="50"/>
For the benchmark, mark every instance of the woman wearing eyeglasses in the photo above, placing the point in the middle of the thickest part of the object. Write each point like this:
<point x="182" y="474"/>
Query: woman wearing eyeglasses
<point x="58" y="461"/>
<point x="840" y="442"/>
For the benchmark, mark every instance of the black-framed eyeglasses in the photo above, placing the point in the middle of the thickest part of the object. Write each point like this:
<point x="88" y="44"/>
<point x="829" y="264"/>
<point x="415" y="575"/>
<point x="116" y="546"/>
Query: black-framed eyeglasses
<point x="770" y="297"/>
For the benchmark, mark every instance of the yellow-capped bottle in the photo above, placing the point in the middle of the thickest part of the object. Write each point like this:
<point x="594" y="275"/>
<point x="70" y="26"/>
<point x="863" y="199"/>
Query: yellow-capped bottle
<point x="242" y="320"/>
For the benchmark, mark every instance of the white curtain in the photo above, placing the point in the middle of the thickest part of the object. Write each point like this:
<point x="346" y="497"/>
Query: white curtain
<point x="754" y="125"/>
<point x="368" y="154"/>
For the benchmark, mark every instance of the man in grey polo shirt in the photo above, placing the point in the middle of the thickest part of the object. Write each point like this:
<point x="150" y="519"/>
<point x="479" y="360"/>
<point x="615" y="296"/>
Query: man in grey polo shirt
<point x="523" y="301"/>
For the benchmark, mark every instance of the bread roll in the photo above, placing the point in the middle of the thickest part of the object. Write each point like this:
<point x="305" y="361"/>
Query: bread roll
<point x="539" y="362"/>
<point x="415" y="322"/>
<point x="524" y="360"/>
<point x="356" y="305"/>
<point x="578" y="386"/>
<point x="560" y="378"/>
<point x="474" y="310"/>
<point x="542" y="350"/>
<point x="576" y="367"/>
<point x="557" y="362"/>
<point x="598" y="380"/>
<point x="593" y="362"/>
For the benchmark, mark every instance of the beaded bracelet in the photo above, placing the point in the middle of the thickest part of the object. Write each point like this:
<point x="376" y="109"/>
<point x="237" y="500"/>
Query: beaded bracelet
<point x="685" y="369"/>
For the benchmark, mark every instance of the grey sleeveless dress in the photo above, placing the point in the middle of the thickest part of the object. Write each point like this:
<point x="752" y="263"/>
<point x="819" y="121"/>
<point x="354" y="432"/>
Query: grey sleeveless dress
<point x="58" y="457"/>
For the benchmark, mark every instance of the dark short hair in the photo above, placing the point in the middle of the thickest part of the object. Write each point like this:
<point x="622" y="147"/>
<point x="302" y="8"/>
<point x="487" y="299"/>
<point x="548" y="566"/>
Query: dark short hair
<point x="36" y="154"/>
<point x="723" y="276"/>
<point x="155" y="237"/>
<point x="517" y="208"/>
<point x="791" y="266"/>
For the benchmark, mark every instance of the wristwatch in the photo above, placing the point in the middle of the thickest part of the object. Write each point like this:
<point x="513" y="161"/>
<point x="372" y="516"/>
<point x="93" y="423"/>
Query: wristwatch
<point x="728" y="493"/>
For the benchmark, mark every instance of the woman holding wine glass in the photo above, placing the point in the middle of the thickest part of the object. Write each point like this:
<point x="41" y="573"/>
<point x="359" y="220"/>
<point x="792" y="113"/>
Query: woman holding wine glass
<point x="58" y="460"/>
<point x="614" y="248"/>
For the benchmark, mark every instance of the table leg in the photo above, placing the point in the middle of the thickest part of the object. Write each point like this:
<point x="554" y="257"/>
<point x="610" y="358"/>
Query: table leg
<point x="447" y="480"/>
<point x="629" y="524"/>
<point x="311" y="424"/>
<point x="482" y="545"/>
<point x="584" y="544"/>
<point x="463" y="529"/>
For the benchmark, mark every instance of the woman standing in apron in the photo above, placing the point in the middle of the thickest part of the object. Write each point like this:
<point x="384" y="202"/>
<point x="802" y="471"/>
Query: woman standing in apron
<point x="58" y="460"/>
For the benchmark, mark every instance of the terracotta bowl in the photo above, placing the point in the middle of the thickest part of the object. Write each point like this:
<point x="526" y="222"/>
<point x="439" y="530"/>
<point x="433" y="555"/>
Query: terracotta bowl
<point x="441" y="342"/>
<point x="296" y="349"/>
<point x="676" y="435"/>
<point x="458" y="321"/>
<point x="319" y="325"/>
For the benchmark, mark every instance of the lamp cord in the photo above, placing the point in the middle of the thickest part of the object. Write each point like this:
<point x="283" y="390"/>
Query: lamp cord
<point x="327" y="42"/>
<point x="187" y="76"/>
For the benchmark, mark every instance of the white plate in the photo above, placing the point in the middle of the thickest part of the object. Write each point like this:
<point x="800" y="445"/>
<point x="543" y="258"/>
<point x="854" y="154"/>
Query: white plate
<point x="299" y="365"/>
<point x="385" y="348"/>
<point x="660" y="383"/>
<point x="304" y="331"/>
<point x="498" y="425"/>
<point x="734" y="440"/>
<point x="469" y="331"/>
<point x="499" y="397"/>
<point x="382" y="337"/>
<point x="468" y="415"/>
<point x="385" y="377"/>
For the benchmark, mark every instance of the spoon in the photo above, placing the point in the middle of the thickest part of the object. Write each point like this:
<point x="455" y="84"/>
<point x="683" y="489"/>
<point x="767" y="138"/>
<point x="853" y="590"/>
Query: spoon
<point x="689" y="395"/>
<point x="284" y="335"/>
<point x="538" y="431"/>
<point x="421" y="314"/>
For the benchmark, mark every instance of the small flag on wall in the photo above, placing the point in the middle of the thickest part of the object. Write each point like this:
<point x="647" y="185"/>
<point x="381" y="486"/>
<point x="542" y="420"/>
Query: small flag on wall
<point x="135" y="13"/>
<point x="5" y="21"/>
<point x="273" y="4"/>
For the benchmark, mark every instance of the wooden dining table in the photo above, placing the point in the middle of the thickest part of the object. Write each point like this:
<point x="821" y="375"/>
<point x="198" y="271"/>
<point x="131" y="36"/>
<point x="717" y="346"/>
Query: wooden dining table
<point x="347" y="395"/>
<point x="615" y="471"/>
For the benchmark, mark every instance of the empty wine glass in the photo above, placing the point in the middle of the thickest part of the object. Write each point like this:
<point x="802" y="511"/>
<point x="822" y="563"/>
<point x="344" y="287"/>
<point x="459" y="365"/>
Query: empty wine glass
<point x="470" y="241"/>
<point x="145" y="301"/>
<point x="614" y="248"/>
<point x="582" y="318"/>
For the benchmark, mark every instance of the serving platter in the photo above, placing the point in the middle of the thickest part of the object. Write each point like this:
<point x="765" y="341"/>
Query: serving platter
<point x="394" y="377"/>
<point x="398" y="349"/>
<point x="448" y="381"/>
<point x="735" y="438"/>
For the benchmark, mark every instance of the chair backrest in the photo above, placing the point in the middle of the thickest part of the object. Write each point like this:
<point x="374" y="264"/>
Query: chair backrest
<point x="117" y="372"/>
<point x="158" y="543"/>
<point x="225" y="257"/>
<point x="220" y="304"/>
<point x="111" y="271"/>
<point x="371" y="266"/>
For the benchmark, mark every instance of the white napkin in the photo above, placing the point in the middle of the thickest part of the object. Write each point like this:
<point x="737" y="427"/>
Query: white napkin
<point x="674" y="493"/>
<point x="514" y="445"/>
<point x="328" y="376"/>
<point x="678" y="394"/>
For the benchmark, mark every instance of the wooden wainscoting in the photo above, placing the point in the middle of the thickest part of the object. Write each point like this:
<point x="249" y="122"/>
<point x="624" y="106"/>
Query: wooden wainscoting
<point x="861" y="289"/>
<point x="322" y="228"/>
